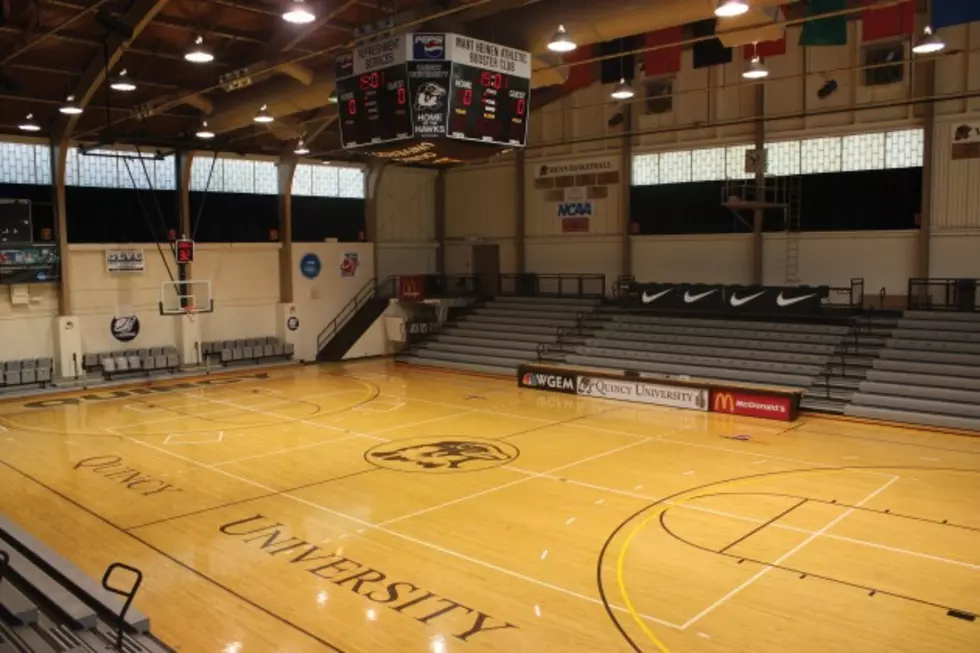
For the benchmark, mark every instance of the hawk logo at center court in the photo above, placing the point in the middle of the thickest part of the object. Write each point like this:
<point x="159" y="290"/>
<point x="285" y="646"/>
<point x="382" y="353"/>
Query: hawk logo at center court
<point x="441" y="454"/>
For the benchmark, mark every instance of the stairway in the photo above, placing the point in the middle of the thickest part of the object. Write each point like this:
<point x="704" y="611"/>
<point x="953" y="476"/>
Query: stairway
<point x="844" y="372"/>
<point x="352" y="329"/>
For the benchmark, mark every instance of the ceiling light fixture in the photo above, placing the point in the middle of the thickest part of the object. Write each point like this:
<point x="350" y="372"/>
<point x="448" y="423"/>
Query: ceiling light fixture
<point x="301" y="148"/>
<point x="298" y="13"/>
<point x="70" y="107"/>
<point x="205" y="133"/>
<point x="623" y="91"/>
<point x="729" y="8"/>
<point x="561" y="41"/>
<point x="122" y="83"/>
<point x="28" y="124"/>
<point x="263" y="117"/>
<point x="198" y="53"/>
<point x="929" y="43"/>
<point x="756" y="69"/>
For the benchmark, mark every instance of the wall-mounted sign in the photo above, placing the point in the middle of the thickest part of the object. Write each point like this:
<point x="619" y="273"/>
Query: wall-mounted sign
<point x="124" y="260"/>
<point x="29" y="264"/>
<point x="966" y="140"/>
<point x="575" y="216"/>
<point x="125" y="328"/>
<point x="309" y="266"/>
<point x="597" y="165"/>
<point x="348" y="267"/>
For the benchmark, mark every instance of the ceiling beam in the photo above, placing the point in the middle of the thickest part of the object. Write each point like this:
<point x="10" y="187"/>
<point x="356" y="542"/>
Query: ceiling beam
<point x="140" y="14"/>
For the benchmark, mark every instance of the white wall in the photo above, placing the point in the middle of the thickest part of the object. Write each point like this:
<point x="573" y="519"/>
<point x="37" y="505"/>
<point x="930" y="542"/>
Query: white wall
<point x="406" y="208"/>
<point x="955" y="254"/>
<point x="479" y="205"/>
<point x="245" y="288"/>
<point x="885" y="259"/>
<point x="319" y="300"/>
<point x="721" y="258"/>
<point x="28" y="331"/>
<point x="98" y="295"/>
<point x="583" y="254"/>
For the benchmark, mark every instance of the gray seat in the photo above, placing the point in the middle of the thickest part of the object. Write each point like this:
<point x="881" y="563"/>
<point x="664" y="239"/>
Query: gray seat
<point x="28" y="364"/>
<point x="160" y="362"/>
<point x="28" y="375"/>
<point x="122" y="363"/>
<point x="44" y="375"/>
<point x="13" y="365"/>
<point x="148" y="363"/>
<point x="134" y="362"/>
<point x="268" y="350"/>
<point x="108" y="365"/>
<point x="173" y="360"/>
<point x="11" y="377"/>
<point x="247" y="352"/>
<point x="288" y="349"/>
<point x="226" y="356"/>
<point x="278" y="349"/>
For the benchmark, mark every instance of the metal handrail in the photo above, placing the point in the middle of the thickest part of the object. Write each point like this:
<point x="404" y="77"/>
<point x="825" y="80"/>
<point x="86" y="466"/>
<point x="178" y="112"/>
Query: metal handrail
<point x="366" y="293"/>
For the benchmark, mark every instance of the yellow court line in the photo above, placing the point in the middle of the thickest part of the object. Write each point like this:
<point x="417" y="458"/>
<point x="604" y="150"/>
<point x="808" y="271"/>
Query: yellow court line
<point x="620" y="561"/>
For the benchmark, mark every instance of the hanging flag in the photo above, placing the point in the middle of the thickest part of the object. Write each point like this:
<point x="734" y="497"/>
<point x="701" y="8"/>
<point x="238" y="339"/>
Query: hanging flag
<point x="710" y="52"/>
<point x="616" y="68"/>
<point x="954" y="12"/>
<point x="886" y="22"/>
<point x="824" y="31"/>
<point x="665" y="60"/>
<point x="765" y="49"/>
<point x="582" y="75"/>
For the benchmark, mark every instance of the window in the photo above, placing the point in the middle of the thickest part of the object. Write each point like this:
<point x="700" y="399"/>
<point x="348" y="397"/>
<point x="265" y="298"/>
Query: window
<point x="884" y="64"/>
<point x="659" y="96"/>
<point x="874" y="151"/>
<point x="313" y="180"/>
<point x="233" y="175"/>
<point x="25" y="163"/>
<point x="119" y="169"/>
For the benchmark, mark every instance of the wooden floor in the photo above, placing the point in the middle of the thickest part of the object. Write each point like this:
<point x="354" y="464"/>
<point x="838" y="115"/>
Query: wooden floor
<point x="371" y="507"/>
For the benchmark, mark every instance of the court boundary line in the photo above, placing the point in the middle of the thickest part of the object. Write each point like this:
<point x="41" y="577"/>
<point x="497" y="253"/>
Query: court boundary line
<point x="755" y="520"/>
<point x="247" y="601"/>
<point x="406" y="537"/>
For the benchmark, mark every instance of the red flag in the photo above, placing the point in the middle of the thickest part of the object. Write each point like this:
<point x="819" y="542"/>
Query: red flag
<point x="580" y="76"/>
<point x="765" y="49"/>
<point x="885" y="22"/>
<point x="662" y="61"/>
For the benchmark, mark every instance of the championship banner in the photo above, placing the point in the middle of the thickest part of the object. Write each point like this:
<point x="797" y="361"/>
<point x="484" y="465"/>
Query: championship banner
<point x="748" y="404"/>
<point x="644" y="393"/>
<point x="124" y="260"/>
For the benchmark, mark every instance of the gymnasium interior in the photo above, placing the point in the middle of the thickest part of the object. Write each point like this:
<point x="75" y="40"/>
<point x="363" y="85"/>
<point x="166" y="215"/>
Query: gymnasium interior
<point x="461" y="326"/>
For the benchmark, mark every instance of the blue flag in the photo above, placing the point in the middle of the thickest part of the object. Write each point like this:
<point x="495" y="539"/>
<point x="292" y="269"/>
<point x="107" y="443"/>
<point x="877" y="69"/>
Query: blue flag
<point x="954" y="12"/>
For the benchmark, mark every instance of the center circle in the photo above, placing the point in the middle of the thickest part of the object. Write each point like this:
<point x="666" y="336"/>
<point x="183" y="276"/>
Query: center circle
<point x="442" y="454"/>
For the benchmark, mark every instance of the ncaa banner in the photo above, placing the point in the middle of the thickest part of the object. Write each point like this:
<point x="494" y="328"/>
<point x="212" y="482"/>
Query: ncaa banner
<point x="595" y="165"/>
<point x="671" y="396"/>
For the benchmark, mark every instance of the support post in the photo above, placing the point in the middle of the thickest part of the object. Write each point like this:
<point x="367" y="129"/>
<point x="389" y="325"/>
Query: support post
<point x="285" y="172"/>
<point x="59" y="159"/>
<point x="183" y="162"/>
<point x="758" y="214"/>
<point x="374" y="175"/>
<point x="625" y="184"/>
<point x="520" y="212"/>
<point x="923" y="242"/>
<point x="440" y="223"/>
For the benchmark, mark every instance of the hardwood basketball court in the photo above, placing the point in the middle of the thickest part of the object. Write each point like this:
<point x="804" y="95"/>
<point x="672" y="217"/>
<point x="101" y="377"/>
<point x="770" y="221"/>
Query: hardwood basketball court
<point x="371" y="507"/>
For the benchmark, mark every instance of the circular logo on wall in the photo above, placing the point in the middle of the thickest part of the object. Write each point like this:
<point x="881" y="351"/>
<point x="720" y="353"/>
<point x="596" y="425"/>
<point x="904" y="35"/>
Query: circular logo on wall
<point x="442" y="454"/>
<point x="309" y="266"/>
<point x="292" y="323"/>
<point x="125" y="328"/>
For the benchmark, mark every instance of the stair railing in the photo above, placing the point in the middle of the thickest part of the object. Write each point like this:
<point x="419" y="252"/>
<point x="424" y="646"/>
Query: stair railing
<point x="127" y="594"/>
<point x="368" y="292"/>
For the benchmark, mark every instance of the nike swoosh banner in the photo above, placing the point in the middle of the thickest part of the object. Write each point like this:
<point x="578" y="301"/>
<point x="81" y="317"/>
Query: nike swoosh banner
<point x="763" y="300"/>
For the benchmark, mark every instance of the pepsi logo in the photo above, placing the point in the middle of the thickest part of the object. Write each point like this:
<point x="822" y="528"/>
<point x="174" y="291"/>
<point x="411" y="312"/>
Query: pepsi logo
<point x="430" y="46"/>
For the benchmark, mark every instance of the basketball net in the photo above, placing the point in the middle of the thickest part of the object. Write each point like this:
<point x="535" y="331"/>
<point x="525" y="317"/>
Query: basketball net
<point x="190" y="312"/>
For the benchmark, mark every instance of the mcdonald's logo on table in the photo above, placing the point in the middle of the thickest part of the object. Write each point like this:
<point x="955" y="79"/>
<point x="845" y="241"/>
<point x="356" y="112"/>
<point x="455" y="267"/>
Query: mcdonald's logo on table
<point x="752" y="405"/>
<point x="410" y="288"/>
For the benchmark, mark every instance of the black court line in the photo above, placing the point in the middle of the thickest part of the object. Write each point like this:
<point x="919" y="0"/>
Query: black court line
<point x="176" y="561"/>
<point x="760" y="527"/>
<point x="250" y="499"/>
<point x="600" y="561"/>
<point x="838" y="504"/>
<point x="565" y="421"/>
<point x="806" y="574"/>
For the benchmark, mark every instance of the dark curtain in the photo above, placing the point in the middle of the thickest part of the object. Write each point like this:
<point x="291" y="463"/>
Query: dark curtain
<point x="843" y="201"/>
<point x="318" y="218"/>
<point x="233" y="217"/>
<point x="113" y="215"/>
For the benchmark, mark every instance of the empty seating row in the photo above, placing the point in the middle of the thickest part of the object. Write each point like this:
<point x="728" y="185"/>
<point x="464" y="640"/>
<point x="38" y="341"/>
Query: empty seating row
<point x="124" y="361"/>
<point x="48" y="605"/>
<point x="26" y="372"/>
<point x="246" y="349"/>
<point x="927" y="373"/>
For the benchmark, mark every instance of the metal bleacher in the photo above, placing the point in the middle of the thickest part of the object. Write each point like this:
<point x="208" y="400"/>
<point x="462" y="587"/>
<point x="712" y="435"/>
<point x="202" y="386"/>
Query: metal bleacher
<point x="501" y="335"/>
<point x="47" y="605"/>
<point x="927" y="373"/>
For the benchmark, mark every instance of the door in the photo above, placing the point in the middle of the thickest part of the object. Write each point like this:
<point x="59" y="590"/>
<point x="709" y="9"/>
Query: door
<point x="486" y="269"/>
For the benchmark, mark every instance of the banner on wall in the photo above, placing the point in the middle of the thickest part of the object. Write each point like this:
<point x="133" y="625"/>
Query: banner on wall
<point x="124" y="260"/>
<point x="552" y="169"/>
<point x="29" y="264"/>
<point x="966" y="140"/>
<point x="575" y="216"/>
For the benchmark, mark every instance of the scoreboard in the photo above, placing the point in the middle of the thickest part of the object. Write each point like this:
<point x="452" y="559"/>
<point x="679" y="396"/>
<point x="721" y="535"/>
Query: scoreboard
<point x="429" y="87"/>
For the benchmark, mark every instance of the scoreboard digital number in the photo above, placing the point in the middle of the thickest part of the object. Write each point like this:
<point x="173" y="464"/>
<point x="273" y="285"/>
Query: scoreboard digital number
<point x="375" y="107"/>
<point x="488" y="106"/>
